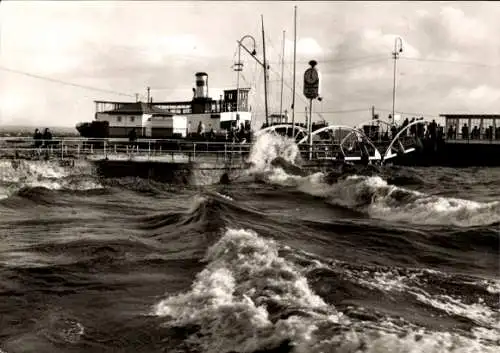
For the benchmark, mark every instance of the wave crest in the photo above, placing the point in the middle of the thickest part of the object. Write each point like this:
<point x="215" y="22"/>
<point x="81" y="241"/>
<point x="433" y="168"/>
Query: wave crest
<point x="250" y="298"/>
<point x="44" y="174"/>
<point x="247" y="298"/>
<point x="389" y="202"/>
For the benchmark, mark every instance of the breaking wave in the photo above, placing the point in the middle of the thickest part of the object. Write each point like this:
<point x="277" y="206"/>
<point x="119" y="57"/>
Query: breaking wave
<point x="252" y="297"/>
<point x="20" y="175"/>
<point x="276" y="161"/>
<point x="380" y="200"/>
<point x="354" y="261"/>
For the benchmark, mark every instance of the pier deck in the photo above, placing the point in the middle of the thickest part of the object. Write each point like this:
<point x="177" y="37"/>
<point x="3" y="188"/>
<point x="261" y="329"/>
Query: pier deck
<point x="166" y="151"/>
<point x="148" y="150"/>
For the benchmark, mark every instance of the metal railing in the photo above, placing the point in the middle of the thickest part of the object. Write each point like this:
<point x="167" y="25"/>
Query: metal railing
<point x="482" y="138"/>
<point x="167" y="150"/>
<point x="122" y="148"/>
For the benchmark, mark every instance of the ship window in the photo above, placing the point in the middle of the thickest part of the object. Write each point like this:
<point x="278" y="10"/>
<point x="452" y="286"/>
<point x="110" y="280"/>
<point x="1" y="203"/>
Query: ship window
<point x="119" y="119"/>
<point x="132" y="118"/>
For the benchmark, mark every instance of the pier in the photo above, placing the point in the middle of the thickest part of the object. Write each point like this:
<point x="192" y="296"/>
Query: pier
<point x="191" y="162"/>
<point x="150" y="150"/>
<point x="187" y="161"/>
<point x="146" y="157"/>
<point x="120" y="149"/>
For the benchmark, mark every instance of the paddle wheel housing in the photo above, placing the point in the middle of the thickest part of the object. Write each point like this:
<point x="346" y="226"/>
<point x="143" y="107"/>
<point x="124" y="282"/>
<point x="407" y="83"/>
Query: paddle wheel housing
<point x="404" y="143"/>
<point x="285" y="130"/>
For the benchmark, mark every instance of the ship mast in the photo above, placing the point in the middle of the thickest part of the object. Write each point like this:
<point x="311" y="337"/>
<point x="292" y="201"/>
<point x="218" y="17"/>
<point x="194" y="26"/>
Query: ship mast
<point x="294" y="63"/>
<point x="282" y="68"/>
<point x="265" y="69"/>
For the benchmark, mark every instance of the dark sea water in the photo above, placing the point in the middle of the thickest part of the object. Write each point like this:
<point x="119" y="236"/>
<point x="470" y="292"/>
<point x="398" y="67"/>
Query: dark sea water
<point x="396" y="260"/>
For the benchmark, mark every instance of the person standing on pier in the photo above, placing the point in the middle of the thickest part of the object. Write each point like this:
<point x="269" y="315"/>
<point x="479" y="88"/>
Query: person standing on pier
<point x="37" y="136"/>
<point x="47" y="136"/>
<point x="465" y="132"/>
<point x="132" y="137"/>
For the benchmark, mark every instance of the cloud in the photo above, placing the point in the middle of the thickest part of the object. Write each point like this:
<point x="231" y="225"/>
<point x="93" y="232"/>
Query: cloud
<point x="374" y="41"/>
<point x="127" y="46"/>
<point x="11" y="103"/>
<point x="482" y="93"/>
<point x="170" y="46"/>
<point x="367" y="73"/>
<point x="308" y="46"/>
<point x="462" y="29"/>
<point x="41" y="45"/>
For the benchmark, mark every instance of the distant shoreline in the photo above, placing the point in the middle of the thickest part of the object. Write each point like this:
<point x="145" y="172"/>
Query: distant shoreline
<point x="21" y="131"/>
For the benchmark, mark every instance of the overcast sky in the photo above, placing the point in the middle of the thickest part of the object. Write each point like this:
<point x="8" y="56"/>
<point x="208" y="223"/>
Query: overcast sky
<point x="450" y="60"/>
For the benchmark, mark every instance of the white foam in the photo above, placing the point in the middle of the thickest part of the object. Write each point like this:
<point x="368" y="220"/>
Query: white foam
<point x="4" y="193"/>
<point x="267" y="147"/>
<point x="45" y="174"/>
<point x="30" y="169"/>
<point x="391" y="280"/>
<point x="490" y="285"/>
<point x="380" y="200"/>
<point x="493" y="286"/>
<point x="412" y="342"/>
<point x="229" y="297"/>
<point x="244" y="274"/>
<point x="197" y="201"/>
<point x="428" y="209"/>
<point x="227" y="197"/>
<point x="477" y="312"/>
<point x="370" y="194"/>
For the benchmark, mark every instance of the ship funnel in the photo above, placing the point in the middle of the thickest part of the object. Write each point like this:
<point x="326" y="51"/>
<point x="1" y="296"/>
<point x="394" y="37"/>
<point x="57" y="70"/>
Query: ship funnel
<point x="201" y="85"/>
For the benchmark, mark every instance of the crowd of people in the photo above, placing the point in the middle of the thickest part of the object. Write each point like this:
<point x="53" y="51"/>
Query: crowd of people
<point x="489" y="133"/>
<point x="433" y="130"/>
<point x="235" y="132"/>
<point x="42" y="139"/>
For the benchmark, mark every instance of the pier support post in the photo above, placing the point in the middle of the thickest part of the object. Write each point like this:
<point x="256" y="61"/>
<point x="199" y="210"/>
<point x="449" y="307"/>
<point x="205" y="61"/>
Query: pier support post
<point x="309" y="128"/>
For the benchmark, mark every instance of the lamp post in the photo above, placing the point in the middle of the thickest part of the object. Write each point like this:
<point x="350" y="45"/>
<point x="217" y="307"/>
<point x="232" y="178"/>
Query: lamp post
<point x="239" y="67"/>
<point x="395" y="56"/>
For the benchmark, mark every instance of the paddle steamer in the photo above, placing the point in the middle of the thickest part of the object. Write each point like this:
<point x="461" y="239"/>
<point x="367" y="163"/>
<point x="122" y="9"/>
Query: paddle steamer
<point x="200" y="118"/>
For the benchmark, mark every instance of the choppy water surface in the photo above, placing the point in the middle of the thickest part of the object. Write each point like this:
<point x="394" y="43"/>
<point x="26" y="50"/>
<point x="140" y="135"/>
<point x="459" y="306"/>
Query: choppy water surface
<point x="394" y="260"/>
